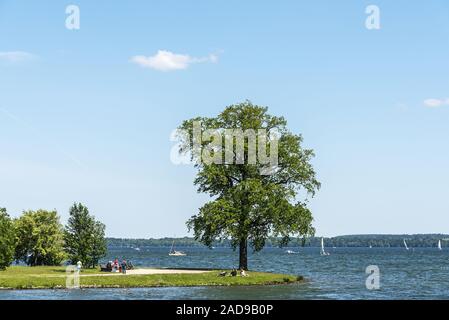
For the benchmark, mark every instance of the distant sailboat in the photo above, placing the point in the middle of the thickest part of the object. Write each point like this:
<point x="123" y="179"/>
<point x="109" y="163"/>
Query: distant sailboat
<point x="370" y="246"/>
<point x="175" y="253"/>
<point x="290" y="252"/>
<point x="439" y="245"/>
<point x="405" y="245"/>
<point x="323" y="252"/>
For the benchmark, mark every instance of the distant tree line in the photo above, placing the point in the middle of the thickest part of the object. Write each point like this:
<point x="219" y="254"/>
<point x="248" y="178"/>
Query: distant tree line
<point x="37" y="238"/>
<point x="386" y="240"/>
<point x="382" y="240"/>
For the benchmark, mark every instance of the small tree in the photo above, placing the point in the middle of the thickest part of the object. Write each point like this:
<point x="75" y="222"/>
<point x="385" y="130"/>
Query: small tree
<point x="7" y="243"/>
<point x="84" y="237"/>
<point x="99" y="244"/>
<point x="39" y="238"/>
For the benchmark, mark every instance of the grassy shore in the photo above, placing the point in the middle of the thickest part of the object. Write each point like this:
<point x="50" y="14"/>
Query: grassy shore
<point x="55" y="278"/>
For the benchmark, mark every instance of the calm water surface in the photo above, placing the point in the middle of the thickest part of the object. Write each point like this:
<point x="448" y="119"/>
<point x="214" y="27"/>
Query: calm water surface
<point x="421" y="273"/>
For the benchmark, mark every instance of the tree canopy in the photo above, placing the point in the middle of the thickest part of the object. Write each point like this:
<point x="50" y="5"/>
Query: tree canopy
<point x="252" y="198"/>
<point x="84" y="237"/>
<point x="39" y="238"/>
<point x="7" y="239"/>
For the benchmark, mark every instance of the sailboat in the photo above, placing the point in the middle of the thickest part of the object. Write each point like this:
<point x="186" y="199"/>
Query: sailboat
<point x="290" y="252"/>
<point x="405" y="245"/>
<point x="175" y="253"/>
<point x="439" y="245"/>
<point x="323" y="252"/>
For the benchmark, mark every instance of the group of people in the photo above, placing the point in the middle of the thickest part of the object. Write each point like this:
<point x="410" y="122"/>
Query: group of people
<point x="115" y="266"/>
<point x="233" y="273"/>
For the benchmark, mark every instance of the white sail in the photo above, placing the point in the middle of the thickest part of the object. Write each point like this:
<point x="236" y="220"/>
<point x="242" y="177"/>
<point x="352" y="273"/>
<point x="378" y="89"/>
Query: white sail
<point x="175" y="253"/>
<point x="405" y="245"/>
<point x="323" y="252"/>
<point x="439" y="245"/>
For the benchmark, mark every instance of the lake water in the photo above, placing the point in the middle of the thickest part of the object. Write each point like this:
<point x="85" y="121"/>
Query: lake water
<point x="421" y="273"/>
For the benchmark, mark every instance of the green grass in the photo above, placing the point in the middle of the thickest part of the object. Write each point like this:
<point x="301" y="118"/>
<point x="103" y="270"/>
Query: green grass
<point x="54" y="277"/>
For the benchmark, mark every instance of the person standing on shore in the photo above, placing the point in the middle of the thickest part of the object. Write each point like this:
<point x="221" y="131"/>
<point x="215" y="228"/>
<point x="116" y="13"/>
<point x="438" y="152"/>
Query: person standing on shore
<point x="78" y="266"/>
<point x="124" y="266"/>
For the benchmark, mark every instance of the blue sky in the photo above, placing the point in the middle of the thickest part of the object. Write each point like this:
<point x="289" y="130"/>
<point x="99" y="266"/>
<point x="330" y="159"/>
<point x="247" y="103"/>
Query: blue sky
<point x="82" y="120"/>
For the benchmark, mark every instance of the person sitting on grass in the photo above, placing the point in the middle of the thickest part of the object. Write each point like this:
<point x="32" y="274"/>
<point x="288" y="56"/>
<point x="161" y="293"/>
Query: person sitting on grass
<point x="243" y="273"/>
<point x="222" y="274"/>
<point x="233" y="273"/>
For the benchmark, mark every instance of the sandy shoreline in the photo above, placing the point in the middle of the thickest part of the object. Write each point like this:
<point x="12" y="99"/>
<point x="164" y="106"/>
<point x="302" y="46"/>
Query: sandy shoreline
<point x="135" y="272"/>
<point x="146" y="271"/>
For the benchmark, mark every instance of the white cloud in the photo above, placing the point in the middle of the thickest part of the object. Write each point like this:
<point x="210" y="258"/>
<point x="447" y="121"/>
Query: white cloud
<point x="435" y="103"/>
<point x="168" y="61"/>
<point x="16" y="56"/>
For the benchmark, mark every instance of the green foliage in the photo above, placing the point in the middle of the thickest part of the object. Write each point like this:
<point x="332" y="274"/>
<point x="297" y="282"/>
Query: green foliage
<point x="84" y="237"/>
<point x="7" y="240"/>
<point x="248" y="206"/>
<point x="39" y="238"/>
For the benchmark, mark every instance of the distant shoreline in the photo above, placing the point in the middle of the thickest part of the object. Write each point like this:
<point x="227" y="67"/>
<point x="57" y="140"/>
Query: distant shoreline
<point x="346" y="241"/>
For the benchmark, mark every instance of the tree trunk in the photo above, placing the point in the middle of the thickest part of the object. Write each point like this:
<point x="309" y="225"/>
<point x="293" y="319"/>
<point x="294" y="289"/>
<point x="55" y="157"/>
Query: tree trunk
<point x="243" y="254"/>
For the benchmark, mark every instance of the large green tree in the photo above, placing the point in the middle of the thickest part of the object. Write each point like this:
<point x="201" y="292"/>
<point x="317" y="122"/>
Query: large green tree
<point x="39" y="238"/>
<point x="251" y="199"/>
<point x="84" y="237"/>
<point x="7" y="240"/>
